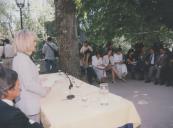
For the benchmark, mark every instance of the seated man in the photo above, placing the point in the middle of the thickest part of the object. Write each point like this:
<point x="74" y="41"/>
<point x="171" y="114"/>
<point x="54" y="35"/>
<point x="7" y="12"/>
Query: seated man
<point x="10" y="116"/>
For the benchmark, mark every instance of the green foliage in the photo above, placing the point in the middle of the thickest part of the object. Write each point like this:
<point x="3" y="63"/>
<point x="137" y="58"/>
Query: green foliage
<point x="135" y="20"/>
<point x="50" y="27"/>
<point x="38" y="54"/>
<point x="5" y="18"/>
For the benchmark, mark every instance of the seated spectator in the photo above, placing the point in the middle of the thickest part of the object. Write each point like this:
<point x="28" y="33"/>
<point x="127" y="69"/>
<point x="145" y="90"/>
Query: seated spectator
<point x="10" y="116"/>
<point x="98" y="66"/>
<point x="120" y="65"/>
<point x="131" y="63"/>
<point x="109" y="64"/>
<point x="90" y="71"/>
<point x="140" y="63"/>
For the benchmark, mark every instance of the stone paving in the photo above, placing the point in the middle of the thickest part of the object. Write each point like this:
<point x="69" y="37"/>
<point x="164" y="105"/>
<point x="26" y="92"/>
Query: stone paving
<point x="153" y="102"/>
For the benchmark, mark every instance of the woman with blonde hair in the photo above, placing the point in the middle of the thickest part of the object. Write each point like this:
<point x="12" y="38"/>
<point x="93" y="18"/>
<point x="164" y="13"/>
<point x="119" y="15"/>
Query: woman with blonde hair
<point x="31" y="88"/>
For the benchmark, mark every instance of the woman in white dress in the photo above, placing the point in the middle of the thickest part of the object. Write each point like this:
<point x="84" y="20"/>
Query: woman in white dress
<point x="31" y="88"/>
<point x="120" y="65"/>
<point x="108" y="62"/>
<point x="98" y="66"/>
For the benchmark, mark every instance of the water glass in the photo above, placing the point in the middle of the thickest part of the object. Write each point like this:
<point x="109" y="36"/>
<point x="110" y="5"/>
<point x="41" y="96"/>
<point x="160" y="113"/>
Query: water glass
<point x="104" y="91"/>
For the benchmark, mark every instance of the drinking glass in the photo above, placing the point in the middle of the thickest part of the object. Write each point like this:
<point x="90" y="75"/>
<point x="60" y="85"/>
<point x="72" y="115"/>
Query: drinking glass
<point x="104" y="91"/>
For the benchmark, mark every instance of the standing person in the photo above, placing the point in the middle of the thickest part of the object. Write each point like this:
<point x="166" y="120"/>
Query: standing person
<point x="31" y="88"/>
<point x="9" y="53"/>
<point x="150" y="63"/>
<point x="49" y="49"/>
<point x="86" y="52"/>
<point x="139" y="56"/>
<point x="160" y="66"/>
<point x="12" y="117"/>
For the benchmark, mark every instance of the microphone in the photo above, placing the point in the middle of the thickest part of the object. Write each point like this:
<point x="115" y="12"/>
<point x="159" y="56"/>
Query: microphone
<point x="70" y="96"/>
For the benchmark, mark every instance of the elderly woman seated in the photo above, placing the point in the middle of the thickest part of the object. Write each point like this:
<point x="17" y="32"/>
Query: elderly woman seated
<point x="10" y="116"/>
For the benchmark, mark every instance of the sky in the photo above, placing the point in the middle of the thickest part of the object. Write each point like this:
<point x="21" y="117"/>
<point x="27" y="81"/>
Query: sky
<point x="37" y="7"/>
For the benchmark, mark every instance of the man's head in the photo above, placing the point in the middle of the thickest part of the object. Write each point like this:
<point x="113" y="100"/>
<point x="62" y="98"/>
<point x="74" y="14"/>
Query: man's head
<point x="162" y="51"/>
<point x="151" y="50"/>
<point x="49" y="39"/>
<point x="7" y="41"/>
<point x="86" y="43"/>
<point x="9" y="84"/>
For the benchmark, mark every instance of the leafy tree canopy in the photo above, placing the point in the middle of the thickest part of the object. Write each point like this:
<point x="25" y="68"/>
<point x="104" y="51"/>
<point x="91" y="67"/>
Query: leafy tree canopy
<point x="137" y="20"/>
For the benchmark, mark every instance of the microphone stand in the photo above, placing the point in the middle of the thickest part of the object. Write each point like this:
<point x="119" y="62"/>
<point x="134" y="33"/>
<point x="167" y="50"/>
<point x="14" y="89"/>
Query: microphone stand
<point x="70" y="96"/>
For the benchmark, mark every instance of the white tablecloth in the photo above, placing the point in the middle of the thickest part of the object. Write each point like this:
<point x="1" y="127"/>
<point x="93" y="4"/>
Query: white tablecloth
<point x="58" y="112"/>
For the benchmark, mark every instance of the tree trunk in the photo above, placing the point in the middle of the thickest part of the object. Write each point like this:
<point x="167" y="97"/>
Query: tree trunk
<point x="67" y="36"/>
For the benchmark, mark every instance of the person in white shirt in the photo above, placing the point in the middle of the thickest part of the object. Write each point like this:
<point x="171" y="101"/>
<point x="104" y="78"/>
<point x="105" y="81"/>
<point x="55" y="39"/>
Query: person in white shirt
<point x="108" y="62"/>
<point x="31" y="88"/>
<point x="98" y="66"/>
<point x="9" y="53"/>
<point x="120" y="65"/>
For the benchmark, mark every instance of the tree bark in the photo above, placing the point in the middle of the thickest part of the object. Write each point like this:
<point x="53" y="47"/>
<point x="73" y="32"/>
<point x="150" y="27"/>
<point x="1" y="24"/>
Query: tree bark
<point x="67" y="36"/>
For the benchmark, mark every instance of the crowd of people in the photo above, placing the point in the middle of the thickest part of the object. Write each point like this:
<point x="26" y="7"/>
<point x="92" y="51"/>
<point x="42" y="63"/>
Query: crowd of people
<point x="21" y="88"/>
<point x="152" y="64"/>
<point x="96" y="64"/>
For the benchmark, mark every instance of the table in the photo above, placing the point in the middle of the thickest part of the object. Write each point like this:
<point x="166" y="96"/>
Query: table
<point x="58" y="112"/>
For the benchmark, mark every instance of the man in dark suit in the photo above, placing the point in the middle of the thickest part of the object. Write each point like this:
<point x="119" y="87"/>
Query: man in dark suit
<point x="160" y="66"/>
<point x="150" y="62"/>
<point x="11" y="117"/>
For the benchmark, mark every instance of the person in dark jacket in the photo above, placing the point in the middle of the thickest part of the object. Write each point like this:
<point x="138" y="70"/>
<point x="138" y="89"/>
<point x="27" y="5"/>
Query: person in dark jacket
<point x="150" y="62"/>
<point x="11" y="117"/>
